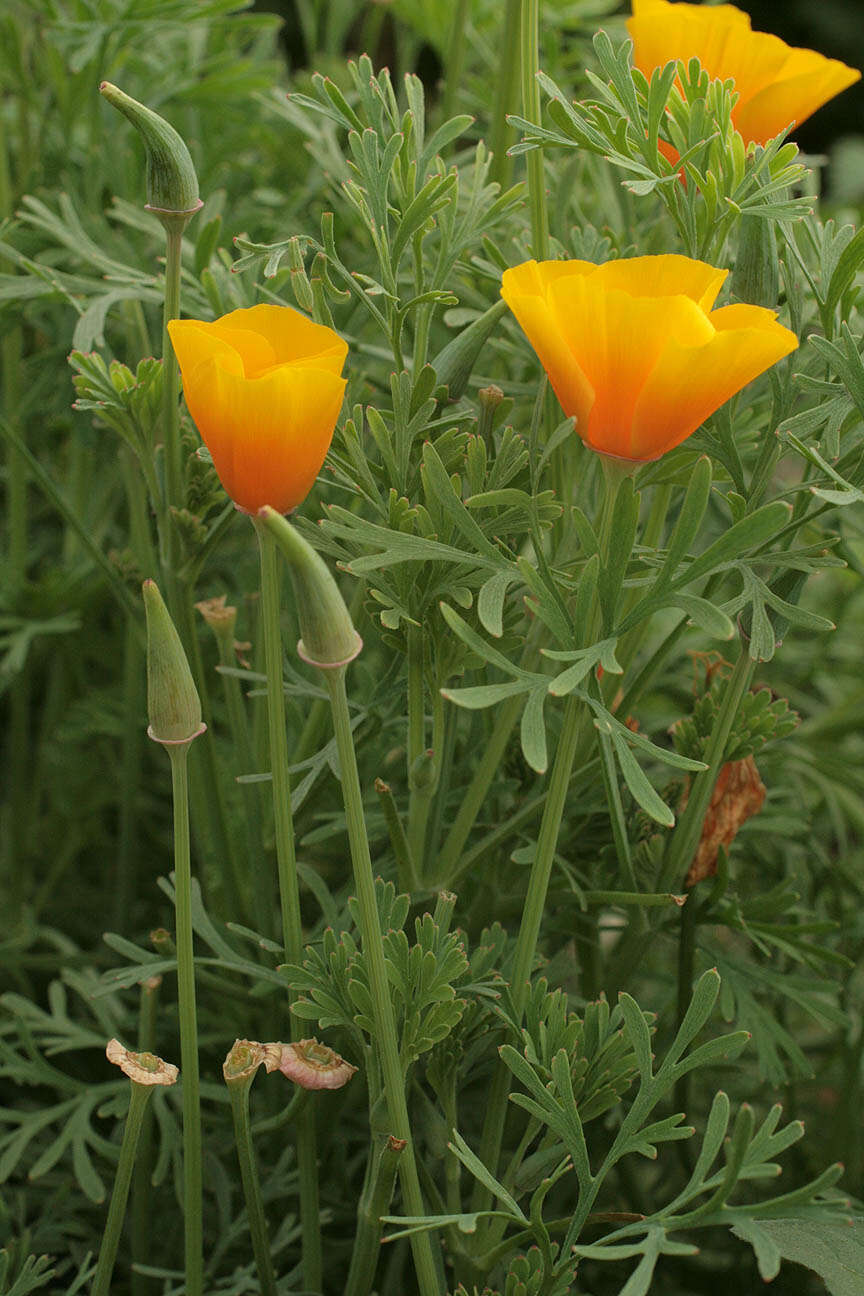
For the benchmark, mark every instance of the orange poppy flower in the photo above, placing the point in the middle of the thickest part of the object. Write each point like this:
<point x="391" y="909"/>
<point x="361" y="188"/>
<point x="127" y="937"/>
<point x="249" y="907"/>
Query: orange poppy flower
<point x="633" y="349"/>
<point x="777" y="84"/>
<point x="264" y="388"/>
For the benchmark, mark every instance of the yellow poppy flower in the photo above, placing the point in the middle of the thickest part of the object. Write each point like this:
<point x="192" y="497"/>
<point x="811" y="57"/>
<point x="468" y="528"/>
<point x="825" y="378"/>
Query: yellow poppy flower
<point x="263" y="386"/>
<point x="633" y="349"/>
<point x="777" y="84"/>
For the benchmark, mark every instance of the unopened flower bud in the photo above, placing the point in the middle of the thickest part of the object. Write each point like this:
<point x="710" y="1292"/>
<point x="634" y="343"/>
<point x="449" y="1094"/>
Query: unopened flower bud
<point x="172" y="185"/>
<point x="315" y="1066"/>
<point x="173" y="706"/>
<point x="220" y="619"/>
<point x="756" y="277"/>
<point x="141" y="1068"/>
<point x="423" y="771"/>
<point x="328" y="638"/>
<point x="455" y="363"/>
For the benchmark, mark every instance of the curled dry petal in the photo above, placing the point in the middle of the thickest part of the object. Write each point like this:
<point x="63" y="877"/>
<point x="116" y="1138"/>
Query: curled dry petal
<point x="739" y="793"/>
<point x="264" y="388"/>
<point x="315" y="1066"/>
<point x="245" y="1057"/>
<point x="142" y="1068"/>
<point x="634" y="350"/>
<point x="777" y="84"/>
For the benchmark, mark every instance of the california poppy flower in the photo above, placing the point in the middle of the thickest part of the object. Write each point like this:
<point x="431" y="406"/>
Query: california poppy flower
<point x="263" y="386"/>
<point x="633" y="349"/>
<point x="777" y="84"/>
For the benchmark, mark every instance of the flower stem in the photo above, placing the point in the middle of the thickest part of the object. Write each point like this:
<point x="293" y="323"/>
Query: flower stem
<point x="289" y="889"/>
<point x="576" y="732"/>
<point x="141" y="1183"/>
<point x="171" y="373"/>
<point x="192" y="1177"/>
<point x="374" y="1203"/>
<point x="239" y="1094"/>
<point x="373" y="949"/>
<point x="530" y="47"/>
<point x="116" y="1211"/>
<point x="506" y="91"/>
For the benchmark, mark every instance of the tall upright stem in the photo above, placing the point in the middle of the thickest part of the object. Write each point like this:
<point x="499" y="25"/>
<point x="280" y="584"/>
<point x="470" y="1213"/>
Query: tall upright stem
<point x="530" y="45"/>
<point x="239" y="1094"/>
<point x="575" y="734"/>
<point x="289" y="889"/>
<point x="379" y="985"/>
<point x="119" y="1194"/>
<point x="192" y="1178"/>
<point x="142" y="1188"/>
<point x="506" y="83"/>
<point x="171" y="373"/>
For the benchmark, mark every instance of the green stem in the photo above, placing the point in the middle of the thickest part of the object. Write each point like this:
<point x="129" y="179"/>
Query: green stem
<point x="142" y="1188"/>
<point x="507" y="88"/>
<point x="685" y="837"/>
<point x="449" y="858"/>
<point x="529" y="929"/>
<point x="192" y="1177"/>
<point x="686" y="960"/>
<point x="289" y="888"/>
<point x="255" y="871"/>
<point x="379" y="985"/>
<point x="530" y="46"/>
<point x="402" y="851"/>
<point x="455" y="60"/>
<point x="116" y="1211"/>
<point x="171" y="374"/>
<point x="239" y="1093"/>
<point x="576" y="734"/>
<point x="419" y="796"/>
<point x="374" y="1203"/>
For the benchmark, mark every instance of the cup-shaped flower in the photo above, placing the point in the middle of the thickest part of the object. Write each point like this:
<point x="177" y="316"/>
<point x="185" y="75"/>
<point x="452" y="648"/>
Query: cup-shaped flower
<point x="633" y="349"/>
<point x="264" y="388"/>
<point x="777" y="84"/>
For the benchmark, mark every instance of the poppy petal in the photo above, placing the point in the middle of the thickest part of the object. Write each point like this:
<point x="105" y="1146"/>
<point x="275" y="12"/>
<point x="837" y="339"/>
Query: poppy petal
<point x="690" y="382"/>
<point x="269" y="435"/>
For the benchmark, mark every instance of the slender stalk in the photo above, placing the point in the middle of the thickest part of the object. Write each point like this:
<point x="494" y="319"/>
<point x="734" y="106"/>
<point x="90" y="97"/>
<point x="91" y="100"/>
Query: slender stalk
<point x="171" y="374"/>
<point x="138" y="1100"/>
<point x="192" y="1177"/>
<point x="455" y="60"/>
<point x="382" y="1003"/>
<point x="404" y="863"/>
<point x="254" y="868"/>
<point x="374" y="1203"/>
<point x="449" y="857"/>
<point x="685" y="837"/>
<point x="142" y="1245"/>
<point x="686" y="958"/>
<point x="506" y="82"/>
<point x="530" y="47"/>
<point x="529" y="930"/>
<point x="576" y="733"/>
<point x="131" y="758"/>
<point x="289" y="888"/>
<point x="239" y="1094"/>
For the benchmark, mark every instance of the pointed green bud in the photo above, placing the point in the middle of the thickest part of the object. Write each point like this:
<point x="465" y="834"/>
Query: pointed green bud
<point x="328" y="638"/>
<point x="455" y="363"/>
<point x="172" y="185"/>
<point x="756" y="277"/>
<point x="173" y="705"/>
